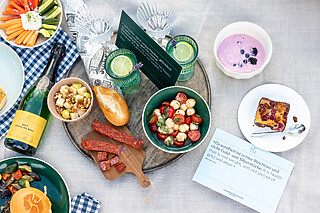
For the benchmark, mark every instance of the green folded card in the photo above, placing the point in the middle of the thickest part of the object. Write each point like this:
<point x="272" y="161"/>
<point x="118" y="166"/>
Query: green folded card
<point x="158" y="65"/>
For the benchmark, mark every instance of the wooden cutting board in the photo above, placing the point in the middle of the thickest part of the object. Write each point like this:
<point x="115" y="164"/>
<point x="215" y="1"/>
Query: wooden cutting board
<point x="133" y="158"/>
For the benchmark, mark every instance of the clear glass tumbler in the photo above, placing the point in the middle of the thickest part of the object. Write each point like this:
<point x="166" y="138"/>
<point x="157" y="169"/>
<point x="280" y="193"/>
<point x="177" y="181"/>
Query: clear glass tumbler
<point x="94" y="19"/>
<point x="184" y="50"/>
<point x="129" y="82"/>
<point x="157" y="17"/>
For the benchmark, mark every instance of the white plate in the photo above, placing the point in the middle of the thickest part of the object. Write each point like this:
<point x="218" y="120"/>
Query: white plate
<point x="273" y="142"/>
<point x="11" y="76"/>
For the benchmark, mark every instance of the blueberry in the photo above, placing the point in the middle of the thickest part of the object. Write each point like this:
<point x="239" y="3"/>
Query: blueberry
<point x="234" y="65"/>
<point x="245" y="61"/>
<point x="240" y="64"/>
<point x="247" y="55"/>
<point x="254" y="51"/>
<point x="242" y="51"/>
<point x="252" y="60"/>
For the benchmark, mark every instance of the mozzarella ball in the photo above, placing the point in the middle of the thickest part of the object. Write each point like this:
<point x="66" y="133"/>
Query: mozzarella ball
<point x="169" y="123"/>
<point x="190" y="103"/>
<point x="169" y="141"/>
<point x="175" y="104"/>
<point x="181" y="136"/>
<point x="183" y="128"/>
<point x="179" y="111"/>
<point x="190" y="112"/>
<point x="163" y="130"/>
<point x="193" y="126"/>
<point x="184" y="107"/>
<point x="176" y="127"/>
<point x="157" y="112"/>
<point x="170" y="131"/>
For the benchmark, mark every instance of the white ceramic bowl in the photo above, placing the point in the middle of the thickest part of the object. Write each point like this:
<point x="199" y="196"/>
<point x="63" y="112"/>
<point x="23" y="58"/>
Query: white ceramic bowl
<point x="56" y="88"/>
<point x="40" y="40"/>
<point x="250" y="29"/>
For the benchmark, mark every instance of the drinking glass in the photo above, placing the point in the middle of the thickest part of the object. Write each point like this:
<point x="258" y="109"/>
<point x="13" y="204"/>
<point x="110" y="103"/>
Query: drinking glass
<point x="129" y="83"/>
<point x="188" y="65"/>
<point x="94" y="19"/>
<point x="157" y="17"/>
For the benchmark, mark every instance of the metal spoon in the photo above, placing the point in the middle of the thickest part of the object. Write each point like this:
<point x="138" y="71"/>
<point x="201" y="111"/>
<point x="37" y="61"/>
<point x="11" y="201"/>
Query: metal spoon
<point x="296" y="129"/>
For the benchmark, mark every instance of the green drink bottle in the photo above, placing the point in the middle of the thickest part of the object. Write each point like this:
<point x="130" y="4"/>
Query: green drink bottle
<point x="30" y="120"/>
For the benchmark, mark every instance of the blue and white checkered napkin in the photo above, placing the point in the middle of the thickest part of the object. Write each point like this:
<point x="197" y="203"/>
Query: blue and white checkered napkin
<point x="85" y="203"/>
<point x="34" y="61"/>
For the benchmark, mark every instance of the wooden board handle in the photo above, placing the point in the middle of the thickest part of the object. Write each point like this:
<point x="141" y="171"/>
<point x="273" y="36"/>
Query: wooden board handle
<point x="144" y="180"/>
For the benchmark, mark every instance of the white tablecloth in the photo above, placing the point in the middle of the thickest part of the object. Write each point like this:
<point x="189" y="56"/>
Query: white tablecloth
<point x="294" y="27"/>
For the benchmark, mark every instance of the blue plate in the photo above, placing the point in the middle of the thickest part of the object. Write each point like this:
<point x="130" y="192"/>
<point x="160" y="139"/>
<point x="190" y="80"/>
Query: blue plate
<point x="11" y="75"/>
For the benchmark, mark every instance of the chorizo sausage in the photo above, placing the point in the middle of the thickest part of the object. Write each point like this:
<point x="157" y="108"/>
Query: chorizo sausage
<point x="102" y="156"/>
<point x="114" y="160"/>
<point x="99" y="146"/>
<point x="105" y="165"/>
<point x="116" y="135"/>
<point x="120" y="166"/>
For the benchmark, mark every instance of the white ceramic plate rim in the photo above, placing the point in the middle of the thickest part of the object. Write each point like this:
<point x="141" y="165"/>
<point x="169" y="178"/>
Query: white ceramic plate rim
<point x="273" y="142"/>
<point x="176" y="152"/>
<point x="65" y="183"/>
<point x="21" y="86"/>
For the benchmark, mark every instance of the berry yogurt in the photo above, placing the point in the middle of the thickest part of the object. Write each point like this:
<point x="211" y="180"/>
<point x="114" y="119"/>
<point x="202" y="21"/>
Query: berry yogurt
<point x="241" y="53"/>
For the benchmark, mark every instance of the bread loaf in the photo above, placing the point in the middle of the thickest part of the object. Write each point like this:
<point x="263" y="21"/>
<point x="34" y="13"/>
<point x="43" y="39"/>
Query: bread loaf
<point x="3" y="98"/>
<point x="113" y="105"/>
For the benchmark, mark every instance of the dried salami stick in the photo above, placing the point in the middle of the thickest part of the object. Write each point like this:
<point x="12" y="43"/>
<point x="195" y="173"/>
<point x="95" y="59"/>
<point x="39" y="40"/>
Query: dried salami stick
<point x="116" y="135"/>
<point x="101" y="146"/>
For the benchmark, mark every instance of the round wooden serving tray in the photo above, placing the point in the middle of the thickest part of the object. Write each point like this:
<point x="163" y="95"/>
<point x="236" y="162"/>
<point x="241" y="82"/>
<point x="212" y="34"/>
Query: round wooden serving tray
<point x="155" y="158"/>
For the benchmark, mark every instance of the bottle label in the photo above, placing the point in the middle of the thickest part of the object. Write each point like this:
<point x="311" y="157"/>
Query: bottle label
<point x="27" y="128"/>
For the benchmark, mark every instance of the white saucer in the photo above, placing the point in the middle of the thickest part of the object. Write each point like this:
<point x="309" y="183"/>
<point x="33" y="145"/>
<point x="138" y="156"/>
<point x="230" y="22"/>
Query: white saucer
<point x="273" y="142"/>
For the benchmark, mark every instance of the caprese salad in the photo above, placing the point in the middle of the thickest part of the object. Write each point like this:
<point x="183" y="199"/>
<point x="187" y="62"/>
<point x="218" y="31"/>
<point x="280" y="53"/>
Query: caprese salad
<point x="175" y="121"/>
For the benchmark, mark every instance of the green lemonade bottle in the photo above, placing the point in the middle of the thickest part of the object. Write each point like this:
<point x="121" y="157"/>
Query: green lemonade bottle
<point x="30" y="120"/>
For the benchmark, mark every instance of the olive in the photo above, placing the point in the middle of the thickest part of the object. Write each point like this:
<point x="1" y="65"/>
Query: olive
<point x="25" y="168"/>
<point x="34" y="176"/>
<point x="87" y="95"/>
<point x="10" y="169"/>
<point x="77" y="85"/>
<point x="65" y="114"/>
<point x="6" y="193"/>
<point x="27" y="177"/>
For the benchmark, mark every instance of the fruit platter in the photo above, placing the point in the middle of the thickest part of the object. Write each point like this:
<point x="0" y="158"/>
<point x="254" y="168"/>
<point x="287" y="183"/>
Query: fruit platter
<point x="29" y="23"/>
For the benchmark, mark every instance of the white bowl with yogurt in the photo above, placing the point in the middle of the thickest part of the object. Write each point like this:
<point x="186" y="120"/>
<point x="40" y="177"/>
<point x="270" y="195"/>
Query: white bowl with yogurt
<point x="30" y="26"/>
<point x="242" y="50"/>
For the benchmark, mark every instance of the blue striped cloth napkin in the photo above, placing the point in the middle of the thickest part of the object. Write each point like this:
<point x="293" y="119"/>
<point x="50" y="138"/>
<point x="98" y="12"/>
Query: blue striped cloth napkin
<point x="34" y="61"/>
<point x="85" y="203"/>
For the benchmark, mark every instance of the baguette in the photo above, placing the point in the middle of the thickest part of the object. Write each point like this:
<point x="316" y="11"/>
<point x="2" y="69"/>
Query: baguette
<point x="113" y="105"/>
<point x="3" y="98"/>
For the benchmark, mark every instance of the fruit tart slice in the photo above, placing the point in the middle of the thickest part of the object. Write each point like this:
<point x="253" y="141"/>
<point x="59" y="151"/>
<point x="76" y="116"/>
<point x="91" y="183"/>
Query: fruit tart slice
<point x="272" y="114"/>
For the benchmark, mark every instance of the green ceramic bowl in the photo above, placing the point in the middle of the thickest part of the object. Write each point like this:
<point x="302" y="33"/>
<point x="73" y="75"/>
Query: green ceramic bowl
<point x="168" y="94"/>
<point x="57" y="189"/>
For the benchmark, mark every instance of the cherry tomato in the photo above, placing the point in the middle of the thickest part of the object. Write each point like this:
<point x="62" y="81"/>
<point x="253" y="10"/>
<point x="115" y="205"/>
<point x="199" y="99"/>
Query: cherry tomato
<point x="194" y="135"/>
<point x="174" y="134"/>
<point x="153" y="119"/>
<point x="196" y="118"/>
<point x="166" y="103"/>
<point x="178" y="143"/>
<point x="179" y="119"/>
<point x="181" y="97"/>
<point x="188" y="120"/>
<point x="162" y="136"/>
<point x="169" y="112"/>
<point x="163" y="108"/>
<point x="153" y="128"/>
